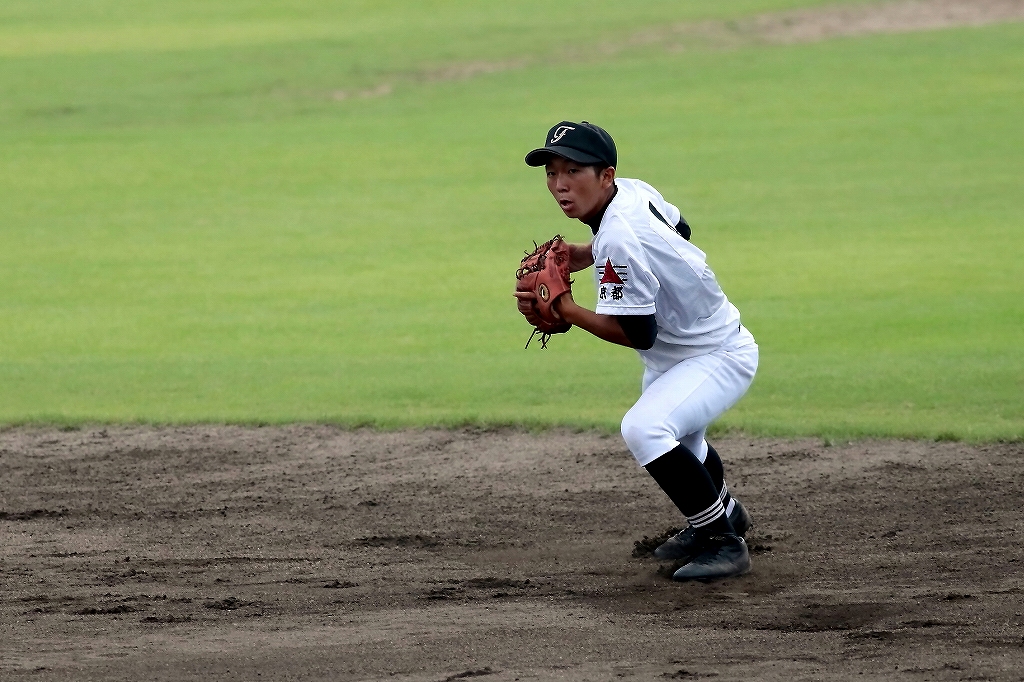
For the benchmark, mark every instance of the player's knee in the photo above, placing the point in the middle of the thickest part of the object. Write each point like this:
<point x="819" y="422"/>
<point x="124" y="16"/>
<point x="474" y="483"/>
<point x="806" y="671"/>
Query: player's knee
<point x="642" y="438"/>
<point x="632" y="433"/>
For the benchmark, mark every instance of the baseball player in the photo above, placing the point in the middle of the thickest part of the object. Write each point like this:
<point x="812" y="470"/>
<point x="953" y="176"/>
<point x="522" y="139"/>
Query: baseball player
<point x="656" y="293"/>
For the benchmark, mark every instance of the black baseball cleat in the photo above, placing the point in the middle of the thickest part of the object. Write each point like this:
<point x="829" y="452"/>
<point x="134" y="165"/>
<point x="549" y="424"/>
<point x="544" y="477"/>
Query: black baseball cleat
<point x="739" y="519"/>
<point x="724" y="556"/>
<point x="686" y="544"/>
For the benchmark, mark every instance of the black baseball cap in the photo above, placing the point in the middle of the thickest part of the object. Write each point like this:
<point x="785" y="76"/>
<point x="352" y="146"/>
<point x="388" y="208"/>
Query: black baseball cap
<point x="580" y="142"/>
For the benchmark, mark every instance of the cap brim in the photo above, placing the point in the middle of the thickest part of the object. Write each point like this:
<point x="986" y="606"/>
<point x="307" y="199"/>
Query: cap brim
<point x="539" y="157"/>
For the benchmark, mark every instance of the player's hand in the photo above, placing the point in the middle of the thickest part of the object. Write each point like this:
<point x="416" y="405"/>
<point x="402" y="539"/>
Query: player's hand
<point x="562" y="305"/>
<point x="526" y="301"/>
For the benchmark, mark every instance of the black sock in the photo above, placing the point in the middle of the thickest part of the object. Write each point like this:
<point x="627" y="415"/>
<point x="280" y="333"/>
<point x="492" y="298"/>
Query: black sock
<point x="713" y="463"/>
<point x="691" y="488"/>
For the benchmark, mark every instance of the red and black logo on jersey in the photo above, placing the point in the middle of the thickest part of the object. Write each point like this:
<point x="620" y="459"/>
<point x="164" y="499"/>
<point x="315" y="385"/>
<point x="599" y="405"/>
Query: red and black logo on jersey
<point x="612" y="280"/>
<point x="614" y="274"/>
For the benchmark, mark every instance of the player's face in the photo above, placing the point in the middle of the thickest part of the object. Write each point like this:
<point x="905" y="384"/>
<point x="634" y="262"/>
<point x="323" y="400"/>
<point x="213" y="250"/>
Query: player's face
<point x="579" y="190"/>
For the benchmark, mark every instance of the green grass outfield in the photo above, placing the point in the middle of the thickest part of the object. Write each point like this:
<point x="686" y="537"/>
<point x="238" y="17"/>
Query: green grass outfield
<point x="258" y="212"/>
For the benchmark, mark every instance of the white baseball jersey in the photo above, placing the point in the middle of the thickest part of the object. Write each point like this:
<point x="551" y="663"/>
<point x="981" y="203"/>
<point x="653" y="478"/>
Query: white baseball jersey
<point x="642" y="267"/>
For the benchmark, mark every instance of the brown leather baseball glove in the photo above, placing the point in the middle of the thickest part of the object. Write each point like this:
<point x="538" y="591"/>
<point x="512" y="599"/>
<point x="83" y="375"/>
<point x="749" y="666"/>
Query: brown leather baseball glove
<point x="544" y="276"/>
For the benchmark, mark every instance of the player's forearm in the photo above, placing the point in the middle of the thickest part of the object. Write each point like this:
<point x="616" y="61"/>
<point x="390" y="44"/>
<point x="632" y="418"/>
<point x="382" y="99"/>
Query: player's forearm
<point x="602" y="326"/>
<point x="581" y="256"/>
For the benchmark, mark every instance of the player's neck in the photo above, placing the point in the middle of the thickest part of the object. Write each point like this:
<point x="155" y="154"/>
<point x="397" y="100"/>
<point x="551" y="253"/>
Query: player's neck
<point x="594" y="221"/>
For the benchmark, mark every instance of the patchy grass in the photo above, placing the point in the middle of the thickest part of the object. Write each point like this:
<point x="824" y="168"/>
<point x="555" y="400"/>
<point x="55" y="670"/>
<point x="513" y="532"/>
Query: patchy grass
<point x="205" y="232"/>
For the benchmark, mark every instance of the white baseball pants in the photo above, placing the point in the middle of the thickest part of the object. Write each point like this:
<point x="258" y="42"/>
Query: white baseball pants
<point x="677" y="406"/>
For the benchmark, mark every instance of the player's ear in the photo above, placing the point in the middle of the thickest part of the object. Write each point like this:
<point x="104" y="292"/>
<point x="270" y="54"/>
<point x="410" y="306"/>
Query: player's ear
<point x="608" y="176"/>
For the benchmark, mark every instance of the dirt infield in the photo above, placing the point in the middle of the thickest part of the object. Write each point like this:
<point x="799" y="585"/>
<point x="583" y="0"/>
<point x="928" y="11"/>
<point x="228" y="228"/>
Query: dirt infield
<point x="317" y="553"/>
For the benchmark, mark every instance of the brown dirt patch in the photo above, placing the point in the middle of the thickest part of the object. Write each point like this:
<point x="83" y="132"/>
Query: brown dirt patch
<point x="844" y="20"/>
<point x="316" y="553"/>
<point x="797" y="26"/>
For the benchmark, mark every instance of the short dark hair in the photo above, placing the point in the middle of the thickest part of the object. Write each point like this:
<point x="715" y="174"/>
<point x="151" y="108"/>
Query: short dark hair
<point x="598" y="167"/>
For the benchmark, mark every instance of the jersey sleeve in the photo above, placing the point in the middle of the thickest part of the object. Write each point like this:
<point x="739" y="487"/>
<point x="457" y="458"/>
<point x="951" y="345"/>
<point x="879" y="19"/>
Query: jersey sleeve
<point x="625" y="283"/>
